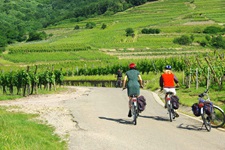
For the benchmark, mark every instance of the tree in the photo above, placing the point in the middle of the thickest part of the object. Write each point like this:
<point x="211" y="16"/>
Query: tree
<point x="129" y="32"/>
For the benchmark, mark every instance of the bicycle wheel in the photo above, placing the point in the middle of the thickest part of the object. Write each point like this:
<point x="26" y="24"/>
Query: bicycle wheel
<point x="134" y="113"/>
<point x="218" y="117"/>
<point x="206" y="121"/>
<point x="170" y="112"/>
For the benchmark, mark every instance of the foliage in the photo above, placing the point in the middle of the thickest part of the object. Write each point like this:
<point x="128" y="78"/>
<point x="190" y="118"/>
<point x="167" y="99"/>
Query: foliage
<point x="90" y="25"/>
<point x="76" y="27"/>
<point x="104" y="26"/>
<point x="129" y="32"/>
<point x="183" y="40"/>
<point x="22" y="16"/>
<point x="150" y="31"/>
<point x="212" y="30"/>
<point x="34" y="36"/>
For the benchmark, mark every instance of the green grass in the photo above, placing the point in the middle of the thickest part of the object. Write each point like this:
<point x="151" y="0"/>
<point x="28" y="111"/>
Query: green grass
<point x="19" y="131"/>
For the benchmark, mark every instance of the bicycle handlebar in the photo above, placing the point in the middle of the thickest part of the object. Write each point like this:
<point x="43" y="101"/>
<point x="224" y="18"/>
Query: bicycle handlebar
<point x="204" y="93"/>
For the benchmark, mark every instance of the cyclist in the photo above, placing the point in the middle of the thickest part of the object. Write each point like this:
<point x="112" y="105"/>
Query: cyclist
<point x="119" y="78"/>
<point x="134" y="82"/>
<point x="167" y="82"/>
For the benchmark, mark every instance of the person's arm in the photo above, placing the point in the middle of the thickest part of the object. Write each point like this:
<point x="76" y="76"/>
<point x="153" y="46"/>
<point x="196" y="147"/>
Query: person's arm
<point x="124" y="82"/>
<point x="176" y="80"/>
<point x="140" y="81"/>
<point x="161" y="82"/>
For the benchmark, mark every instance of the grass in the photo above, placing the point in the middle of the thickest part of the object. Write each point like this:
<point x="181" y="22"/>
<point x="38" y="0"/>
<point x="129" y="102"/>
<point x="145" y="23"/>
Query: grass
<point x="19" y="131"/>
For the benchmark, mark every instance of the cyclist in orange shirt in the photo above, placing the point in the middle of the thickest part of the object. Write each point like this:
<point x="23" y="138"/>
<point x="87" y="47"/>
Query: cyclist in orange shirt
<point x="167" y="81"/>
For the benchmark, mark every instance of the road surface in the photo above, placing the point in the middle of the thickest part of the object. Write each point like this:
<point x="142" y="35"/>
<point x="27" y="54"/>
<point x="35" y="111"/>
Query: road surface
<point x="102" y="124"/>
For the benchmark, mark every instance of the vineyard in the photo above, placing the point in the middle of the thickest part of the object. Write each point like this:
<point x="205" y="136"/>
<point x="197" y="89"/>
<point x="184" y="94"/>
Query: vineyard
<point x="28" y="81"/>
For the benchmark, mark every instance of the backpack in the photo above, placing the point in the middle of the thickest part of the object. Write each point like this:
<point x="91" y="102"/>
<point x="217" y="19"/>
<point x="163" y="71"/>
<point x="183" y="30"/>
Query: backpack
<point x="196" y="109"/>
<point x="175" y="102"/>
<point x="141" y="103"/>
<point x="208" y="106"/>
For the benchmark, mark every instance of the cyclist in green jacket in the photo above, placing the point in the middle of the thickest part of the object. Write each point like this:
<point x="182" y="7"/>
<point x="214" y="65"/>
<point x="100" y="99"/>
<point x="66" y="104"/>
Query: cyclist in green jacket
<point x="134" y="82"/>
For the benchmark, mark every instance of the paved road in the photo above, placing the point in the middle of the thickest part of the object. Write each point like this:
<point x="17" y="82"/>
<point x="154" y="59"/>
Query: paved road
<point x="102" y="124"/>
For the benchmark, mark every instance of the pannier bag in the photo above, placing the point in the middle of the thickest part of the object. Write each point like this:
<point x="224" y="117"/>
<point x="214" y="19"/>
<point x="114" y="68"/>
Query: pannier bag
<point x="196" y="109"/>
<point x="175" y="102"/>
<point x="208" y="106"/>
<point x="141" y="103"/>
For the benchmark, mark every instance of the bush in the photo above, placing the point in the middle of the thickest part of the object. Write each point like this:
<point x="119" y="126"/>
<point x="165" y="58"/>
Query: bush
<point x="90" y="25"/>
<point x="34" y="36"/>
<point x="212" y="30"/>
<point x="218" y="42"/>
<point x="129" y="32"/>
<point x="183" y="40"/>
<point x="104" y="26"/>
<point x="76" y="27"/>
<point x="150" y="31"/>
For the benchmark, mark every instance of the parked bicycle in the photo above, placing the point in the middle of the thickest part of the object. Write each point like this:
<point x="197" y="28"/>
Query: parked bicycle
<point x="134" y="109"/>
<point x="169" y="105"/>
<point x="212" y="115"/>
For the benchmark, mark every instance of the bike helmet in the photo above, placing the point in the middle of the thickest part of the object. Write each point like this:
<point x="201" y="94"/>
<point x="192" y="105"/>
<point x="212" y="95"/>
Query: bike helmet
<point x="132" y="65"/>
<point x="168" y="67"/>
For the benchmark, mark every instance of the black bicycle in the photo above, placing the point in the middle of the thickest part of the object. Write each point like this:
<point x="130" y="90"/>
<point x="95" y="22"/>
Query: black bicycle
<point x="215" y="118"/>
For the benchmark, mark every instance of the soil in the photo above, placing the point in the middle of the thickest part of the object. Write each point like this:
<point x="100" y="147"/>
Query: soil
<point x="50" y="109"/>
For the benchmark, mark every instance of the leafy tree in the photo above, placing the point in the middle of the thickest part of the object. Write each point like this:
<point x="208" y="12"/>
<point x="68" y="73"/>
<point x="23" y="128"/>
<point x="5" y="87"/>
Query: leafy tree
<point x="3" y="41"/>
<point x="129" y="32"/>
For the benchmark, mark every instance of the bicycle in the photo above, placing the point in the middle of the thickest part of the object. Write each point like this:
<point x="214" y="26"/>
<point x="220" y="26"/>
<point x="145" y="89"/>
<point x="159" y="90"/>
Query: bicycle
<point x="169" y="106"/>
<point x="214" y="119"/>
<point x="134" y="108"/>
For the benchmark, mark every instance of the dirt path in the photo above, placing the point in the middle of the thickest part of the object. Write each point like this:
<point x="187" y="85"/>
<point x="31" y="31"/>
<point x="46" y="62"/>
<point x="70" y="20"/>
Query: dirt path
<point x="50" y="108"/>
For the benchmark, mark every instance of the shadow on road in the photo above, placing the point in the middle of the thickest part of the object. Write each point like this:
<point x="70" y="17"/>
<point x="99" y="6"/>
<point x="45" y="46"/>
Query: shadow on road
<point x="190" y="127"/>
<point x="156" y="118"/>
<point x="122" y="121"/>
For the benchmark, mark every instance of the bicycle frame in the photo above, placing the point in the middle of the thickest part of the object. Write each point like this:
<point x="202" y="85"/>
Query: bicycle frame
<point x="217" y="117"/>
<point x="205" y="117"/>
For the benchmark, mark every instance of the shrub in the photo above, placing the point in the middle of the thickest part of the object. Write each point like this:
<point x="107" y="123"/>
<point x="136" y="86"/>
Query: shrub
<point x="129" y="32"/>
<point x="90" y="25"/>
<point x="212" y="30"/>
<point x="104" y="26"/>
<point x="183" y="40"/>
<point x="218" y="42"/>
<point x="144" y="31"/>
<point x="150" y="31"/>
<point x="34" y="36"/>
<point x="76" y="27"/>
